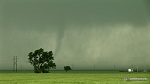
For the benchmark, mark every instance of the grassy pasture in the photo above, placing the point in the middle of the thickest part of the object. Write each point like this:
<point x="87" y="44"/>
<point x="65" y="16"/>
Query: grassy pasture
<point x="72" y="77"/>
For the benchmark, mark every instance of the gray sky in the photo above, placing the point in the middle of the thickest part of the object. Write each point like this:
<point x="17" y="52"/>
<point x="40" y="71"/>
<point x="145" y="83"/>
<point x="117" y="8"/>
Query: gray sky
<point x="81" y="33"/>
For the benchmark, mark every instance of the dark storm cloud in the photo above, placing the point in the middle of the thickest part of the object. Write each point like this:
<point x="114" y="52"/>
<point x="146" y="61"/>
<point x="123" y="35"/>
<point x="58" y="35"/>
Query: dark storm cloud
<point x="78" y="31"/>
<point x="82" y="12"/>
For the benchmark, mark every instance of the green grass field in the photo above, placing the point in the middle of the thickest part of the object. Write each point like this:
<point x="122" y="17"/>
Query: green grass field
<point x="72" y="77"/>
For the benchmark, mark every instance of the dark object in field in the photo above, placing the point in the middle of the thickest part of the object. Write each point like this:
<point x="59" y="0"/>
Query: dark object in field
<point x="41" y="60"/>
<point x="66" y="68"/>
<point x="123" y="71"/>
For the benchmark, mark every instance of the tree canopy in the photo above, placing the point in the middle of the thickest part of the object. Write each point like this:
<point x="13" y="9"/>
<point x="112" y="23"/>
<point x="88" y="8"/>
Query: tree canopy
<point x="41" y="60"/>
<point x="66" y="68"/>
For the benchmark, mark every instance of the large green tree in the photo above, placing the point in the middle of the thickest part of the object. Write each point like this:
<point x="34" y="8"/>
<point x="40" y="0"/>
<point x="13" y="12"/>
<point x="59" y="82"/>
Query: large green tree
<point x="41" y="60"/>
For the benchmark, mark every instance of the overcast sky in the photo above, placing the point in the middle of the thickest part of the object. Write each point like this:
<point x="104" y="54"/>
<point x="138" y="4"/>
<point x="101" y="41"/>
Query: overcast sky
<point x="81" y="33"/>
